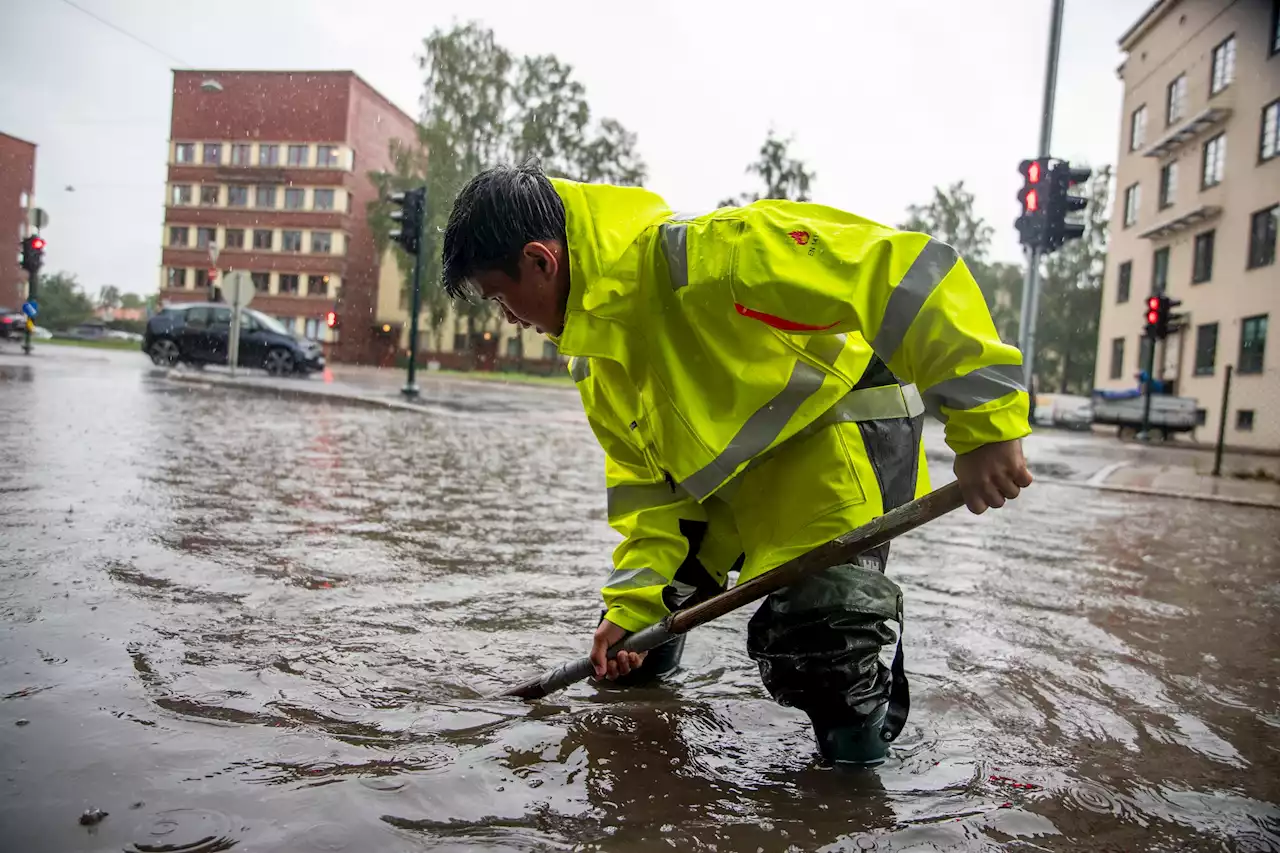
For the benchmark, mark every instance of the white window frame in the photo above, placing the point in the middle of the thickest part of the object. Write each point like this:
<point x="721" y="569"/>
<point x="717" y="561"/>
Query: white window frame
<point x="1132" y="201"/>
<point x="1269" y="145"/>
<point x="1176" y="102"/>
<point x="1214" y="167"/>
<point x="1138" y="128"/>
<point x="1168" y="184"/>
<point x="1222" y="65"/>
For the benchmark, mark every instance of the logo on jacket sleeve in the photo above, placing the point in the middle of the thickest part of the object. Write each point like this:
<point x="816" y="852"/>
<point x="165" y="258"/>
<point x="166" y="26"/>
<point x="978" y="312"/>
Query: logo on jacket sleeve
<point x="801" y="237"/>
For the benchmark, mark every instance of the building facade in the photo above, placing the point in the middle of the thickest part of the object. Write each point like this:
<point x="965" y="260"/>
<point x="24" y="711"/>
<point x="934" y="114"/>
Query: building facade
<point x="1197" y="204"/>
<point x="17" y="194"/>
<point x="271" y="168"/>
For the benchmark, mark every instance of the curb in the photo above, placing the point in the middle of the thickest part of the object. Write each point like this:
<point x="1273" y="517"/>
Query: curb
<point x="1190" y="496"/>
<point x="301" y="393"/>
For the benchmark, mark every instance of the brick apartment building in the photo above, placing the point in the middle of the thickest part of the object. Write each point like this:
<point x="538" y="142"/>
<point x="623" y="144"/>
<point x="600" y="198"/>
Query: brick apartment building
<point x="272" y="168"/>
<point x="1197" y="210"/>
<point x="17" y="193"/>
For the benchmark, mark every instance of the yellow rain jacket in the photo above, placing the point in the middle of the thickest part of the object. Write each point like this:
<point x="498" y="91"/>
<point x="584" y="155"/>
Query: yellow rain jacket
<point x="701" y="343"/>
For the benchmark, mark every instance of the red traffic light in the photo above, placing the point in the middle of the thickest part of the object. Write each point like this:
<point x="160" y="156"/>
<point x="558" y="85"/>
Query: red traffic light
<point x="1153" y="303"/>
<point x="331" y="319"/>
<point x="1033" y="201"/>
<point x="37" y="243"/>
<point x="1033" y="172"/>
<point x="1153" y="317"/>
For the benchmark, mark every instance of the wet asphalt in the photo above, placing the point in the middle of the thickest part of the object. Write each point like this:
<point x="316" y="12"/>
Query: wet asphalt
<point x="235" y="621"/>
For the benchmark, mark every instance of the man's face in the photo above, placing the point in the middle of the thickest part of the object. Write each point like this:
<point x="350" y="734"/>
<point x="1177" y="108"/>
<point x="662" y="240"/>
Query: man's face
<point x="536" y="297"/>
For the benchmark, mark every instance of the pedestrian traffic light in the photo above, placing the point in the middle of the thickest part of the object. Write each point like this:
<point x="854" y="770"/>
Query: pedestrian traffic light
<point x="1058" y="203"/>
<point x="331" y="319"/>
<point x="1159" y="314"/>
<point x="1031" y="223"/>
<point x="32" y="254"/>
<point x="409" y="217"/>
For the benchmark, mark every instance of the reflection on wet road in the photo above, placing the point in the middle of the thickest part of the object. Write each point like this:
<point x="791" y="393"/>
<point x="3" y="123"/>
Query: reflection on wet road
<point x="236" y="622"/>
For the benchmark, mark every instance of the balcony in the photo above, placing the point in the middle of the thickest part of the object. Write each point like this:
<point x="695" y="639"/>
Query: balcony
<point x="1178" y="224"/>
<point x="1179" y="136"/>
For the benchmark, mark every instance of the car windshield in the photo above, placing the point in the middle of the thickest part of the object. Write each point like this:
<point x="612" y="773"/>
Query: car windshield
<point x="271" y="324"/>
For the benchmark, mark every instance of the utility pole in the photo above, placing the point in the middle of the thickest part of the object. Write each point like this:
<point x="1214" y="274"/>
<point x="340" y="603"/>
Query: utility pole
<point x="1031" y="283"/>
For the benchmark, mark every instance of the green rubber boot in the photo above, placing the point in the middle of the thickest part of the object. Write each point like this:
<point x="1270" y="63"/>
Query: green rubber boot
<point x="854" y="744"/>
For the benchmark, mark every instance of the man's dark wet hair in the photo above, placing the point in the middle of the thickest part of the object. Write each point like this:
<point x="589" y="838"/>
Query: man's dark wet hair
<point x="497" y="213"/>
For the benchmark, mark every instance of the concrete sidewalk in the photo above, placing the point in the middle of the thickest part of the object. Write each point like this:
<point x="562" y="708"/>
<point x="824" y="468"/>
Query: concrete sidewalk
<point x="1080" y="459"/>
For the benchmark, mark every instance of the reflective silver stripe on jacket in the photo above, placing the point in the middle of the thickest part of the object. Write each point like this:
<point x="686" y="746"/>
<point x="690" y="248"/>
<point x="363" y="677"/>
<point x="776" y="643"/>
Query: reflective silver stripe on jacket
<point x="760" y="430"/>
<point x="627" y="579"/>
<point x="984" y="385"/>
<point x="675" y="246"/>
<point x="927" y="271"/>
<point x="579" y="368"/>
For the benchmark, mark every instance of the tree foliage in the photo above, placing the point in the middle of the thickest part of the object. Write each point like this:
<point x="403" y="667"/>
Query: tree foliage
<point x="783" y="176"/>
<point x="131" y="300"/>
<point x="108" y="296"/>
<point x="482" y="105"/>
<point x="63" y="303"/>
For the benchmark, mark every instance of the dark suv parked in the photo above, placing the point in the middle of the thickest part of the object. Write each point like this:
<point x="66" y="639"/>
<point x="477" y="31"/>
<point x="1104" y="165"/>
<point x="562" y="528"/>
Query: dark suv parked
<point x="198" y="333"/>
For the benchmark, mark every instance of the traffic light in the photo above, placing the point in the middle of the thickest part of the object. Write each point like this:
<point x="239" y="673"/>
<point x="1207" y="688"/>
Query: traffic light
<point x="331" y="319"/>
<point x="1058" y="203"/>
<point x="1031" y="224"/>
<point x="1159" y="313"/>
<point x="410" y="218"/>
<point x="33" y="254"/>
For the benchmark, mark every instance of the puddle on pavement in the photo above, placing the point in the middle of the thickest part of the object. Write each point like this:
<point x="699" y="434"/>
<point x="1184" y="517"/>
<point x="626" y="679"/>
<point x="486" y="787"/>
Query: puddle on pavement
<point x="276" y="624"/>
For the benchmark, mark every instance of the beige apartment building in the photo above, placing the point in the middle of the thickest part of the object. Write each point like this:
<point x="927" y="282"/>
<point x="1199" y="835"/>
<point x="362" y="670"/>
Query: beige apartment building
<point x="1197" y="205"/>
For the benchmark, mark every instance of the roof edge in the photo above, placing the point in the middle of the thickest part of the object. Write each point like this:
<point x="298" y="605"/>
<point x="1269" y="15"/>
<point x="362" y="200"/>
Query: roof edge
<point x="18" y="139"/>
<point x="343" y="72"/>
<point x="1155" y="12"/>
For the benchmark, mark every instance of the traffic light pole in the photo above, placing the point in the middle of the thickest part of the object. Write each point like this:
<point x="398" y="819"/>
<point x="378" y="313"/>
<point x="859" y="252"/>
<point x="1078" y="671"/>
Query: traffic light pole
<point x="31" y="295"/>
<point x="1031" y="283"/>
<point x="411" y="387"/>
<point x="1149" y="368"/>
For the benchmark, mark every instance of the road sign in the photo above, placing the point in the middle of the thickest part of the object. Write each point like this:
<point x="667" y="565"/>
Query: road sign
<point x="237" y="288"/>
<point x="38" y="218"/>
<point x="31" y="308"/>
<point x="213" y="253"/>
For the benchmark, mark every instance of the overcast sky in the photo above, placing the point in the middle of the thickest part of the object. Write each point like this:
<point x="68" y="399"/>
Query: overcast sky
<point x="884" y="100"/>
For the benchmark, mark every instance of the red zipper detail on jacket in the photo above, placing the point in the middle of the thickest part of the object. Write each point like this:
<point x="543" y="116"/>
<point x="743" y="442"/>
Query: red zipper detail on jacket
<point x="779" y="323"/>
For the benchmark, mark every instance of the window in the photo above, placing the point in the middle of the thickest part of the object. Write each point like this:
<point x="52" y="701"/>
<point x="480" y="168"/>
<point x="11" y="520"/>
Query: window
<point x="213" y="153"/>
<point x="237" y="196"/>
<point x="1138" y="128"/>
<point x="209" y="194"/>
<point x="549" y="351"/>
<point x="220" y="317"/>
<point x="514" y="348"/>
<point x="1206" y="348"/>
<point x="1268" y="147"/>
<point x="322" y="200"/>
<point x="321" y="242"/>
<point x="1124" y="279"/>
<point x="288" y="283"/>
<point x="265" y="197"/>
<point x="298" y="155"/>
<point x="1176" y="104"/>
<point x="1244" y="420"/>
<point x="1262" y="237"/>
<point x="1202" y="266"/>
<point x="197" y="318"/>
<point x="1202" y="417"/>
<point x="268" y="155"/>
<point x="294" y="198"/>
<point x="327" y="156"/>
<point x="317" y="285"/>
<point x="1253" y="344"/>
<point x="1215" y="160"/>
<point x="1132" y="198"/>
<point x="240" y="154"/>
<point x="206" y="237"/>
<point x="182" y="194"/>
<point x="262" y="238"/>
<point x="1224" y="66"/>
<point x="235" y="238"/>
<point x="291" y="241"/>
<point x="1168" y="184"/>
<point x="1117" y="358"/>
<point x="1275" y="28"/>
<point x="178" y="235"/>
<point x="176" y="277"/>
<point x="261" y="281"/>
<point x="1160" y="270"/>
<point x="202" y="282"/>
<point x="184" y="152"/>
<point x="311" y="328"/>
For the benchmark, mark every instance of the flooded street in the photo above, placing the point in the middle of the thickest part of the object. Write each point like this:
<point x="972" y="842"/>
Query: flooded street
<point x="239" y="622"/>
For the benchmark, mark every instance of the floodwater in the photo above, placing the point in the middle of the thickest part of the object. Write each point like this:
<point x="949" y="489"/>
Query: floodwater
<point x="239" y="622"/>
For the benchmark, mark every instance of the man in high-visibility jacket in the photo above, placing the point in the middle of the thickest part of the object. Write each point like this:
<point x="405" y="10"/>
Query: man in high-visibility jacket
<point x="757" y="377"/>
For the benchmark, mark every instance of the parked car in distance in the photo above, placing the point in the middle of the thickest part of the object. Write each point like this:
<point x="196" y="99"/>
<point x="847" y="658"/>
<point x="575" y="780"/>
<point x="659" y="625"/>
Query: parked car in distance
<point x="198" y="333"/>
<point x="12" y="323"/>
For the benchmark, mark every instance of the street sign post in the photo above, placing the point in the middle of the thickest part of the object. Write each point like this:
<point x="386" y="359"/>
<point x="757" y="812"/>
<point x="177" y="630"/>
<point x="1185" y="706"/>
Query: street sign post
<point x="237" y="291"/>
<point x="38" y="218"/>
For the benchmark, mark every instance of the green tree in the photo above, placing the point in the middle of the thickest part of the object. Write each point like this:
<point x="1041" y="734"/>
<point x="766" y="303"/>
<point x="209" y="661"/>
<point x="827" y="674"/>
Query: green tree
<point x="950" y="216"/>
<point x="131" y="301"/>
<point x="784" y="176"/>
<point x="481" y="106"/>
<point x="108" y="296"/>
<point x="63" y="303"/>
<point x="1071" y="299"/>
